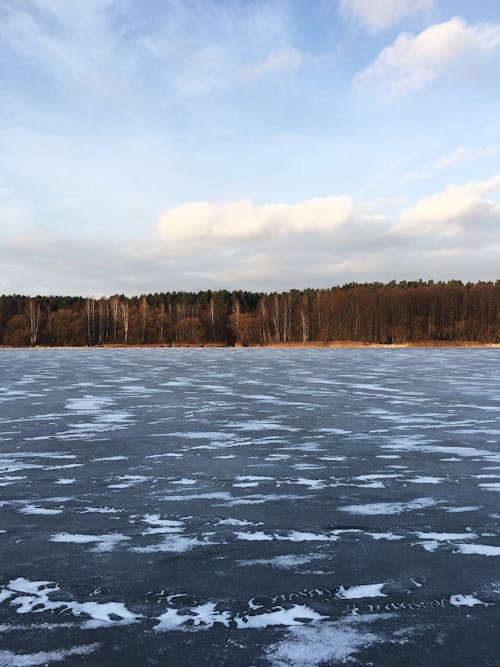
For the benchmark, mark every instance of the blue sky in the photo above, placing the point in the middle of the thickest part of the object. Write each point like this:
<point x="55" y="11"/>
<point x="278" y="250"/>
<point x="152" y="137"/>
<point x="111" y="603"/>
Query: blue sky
<point x="149" y="145"/>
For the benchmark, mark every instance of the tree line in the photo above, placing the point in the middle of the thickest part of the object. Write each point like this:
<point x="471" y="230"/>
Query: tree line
<point x="414" y="311"/>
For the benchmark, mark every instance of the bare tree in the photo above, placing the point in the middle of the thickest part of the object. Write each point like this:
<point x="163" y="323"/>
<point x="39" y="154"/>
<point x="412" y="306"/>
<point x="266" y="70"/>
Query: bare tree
<point x="34" y="314"/>
<point x="102" y="305"/>
<point x="114" y="303"/>
<point x="124" y="320"/>
<point x="304" y="315"/>
<point x="236" y="313"/>
<point x="144" y="310"/>
<point x="89" y="307"/>
<point x="49" y="325"/>
<point x="211" y="309"/>
<point x="162" y="320"/>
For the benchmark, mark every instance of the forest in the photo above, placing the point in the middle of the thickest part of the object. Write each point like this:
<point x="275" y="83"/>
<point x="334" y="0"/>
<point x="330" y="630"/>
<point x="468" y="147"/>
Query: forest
<point x="404" y="312"/>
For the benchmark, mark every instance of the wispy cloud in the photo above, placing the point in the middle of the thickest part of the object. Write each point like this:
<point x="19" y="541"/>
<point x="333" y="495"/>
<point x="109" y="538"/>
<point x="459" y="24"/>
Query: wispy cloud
<point x="439" y="164"/>
<point x="108" y="49"/>
<point x="413" y="62"/>
<point x="74" y="43"/>
<point x="376" y="15"/>
<point x="450" y="160"/>
<point x="282" y="61"/>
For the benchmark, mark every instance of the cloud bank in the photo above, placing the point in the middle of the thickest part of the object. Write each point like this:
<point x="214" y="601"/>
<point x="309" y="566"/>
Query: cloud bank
<point x="244" y="245"/>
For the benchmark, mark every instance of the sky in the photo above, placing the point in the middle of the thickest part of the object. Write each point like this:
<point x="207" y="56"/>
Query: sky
<point x="160" y="145"/>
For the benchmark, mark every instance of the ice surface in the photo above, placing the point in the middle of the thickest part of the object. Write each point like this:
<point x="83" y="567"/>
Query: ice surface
<point x="170" y="432"/>
<point x="466" y="452"/>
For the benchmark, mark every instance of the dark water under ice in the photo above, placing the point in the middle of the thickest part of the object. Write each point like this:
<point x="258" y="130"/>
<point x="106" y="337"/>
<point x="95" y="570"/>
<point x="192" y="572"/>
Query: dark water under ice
<point x="249" y="507"/>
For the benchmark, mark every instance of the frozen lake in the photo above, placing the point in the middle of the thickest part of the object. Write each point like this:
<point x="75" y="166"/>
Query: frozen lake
<point x="249" y="507"/>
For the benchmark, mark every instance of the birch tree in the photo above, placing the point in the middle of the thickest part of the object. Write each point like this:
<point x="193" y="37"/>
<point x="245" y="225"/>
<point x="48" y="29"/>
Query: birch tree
<point x="34" y="315"/>
<point x="124" y="313"/>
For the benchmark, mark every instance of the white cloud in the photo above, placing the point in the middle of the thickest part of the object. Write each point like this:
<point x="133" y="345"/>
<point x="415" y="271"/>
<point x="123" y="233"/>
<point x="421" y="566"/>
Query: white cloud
<point x="457" y="209"/>
<point x="376" y="15"/>
<point x="415" y="61"/>
<point x="244" y="219"/>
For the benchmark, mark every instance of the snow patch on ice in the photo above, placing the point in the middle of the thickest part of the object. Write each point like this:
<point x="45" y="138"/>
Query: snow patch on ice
<point x="217" y="495"/>
<point x="103" y="542"/>
<point x="290" y="536"/>
<point x="323" y="644"/>
<point x="258" y="536"/>
<point x="296" y="615"/>
<point x="446" y="537"/>
<point x="284" y="562"/>
<point x="34" y="509"/>
<point x="426" y="480"/>
<point x="371" y="509"/>
<point x="363" y="591"/>
<point x="478" y="549"/>
<point x="33" y="597"/>
<point x="44" y="657"/>
<point x="203" y="617"/>
<point x="99" y="510"/>
<point x="491" y="486"/>
<point x="385" y="536"/>
<point x="465" y="601"/>
<point x="466" y="508"/>
<point x="172" y="544"/>
<point x="234" y="522"/>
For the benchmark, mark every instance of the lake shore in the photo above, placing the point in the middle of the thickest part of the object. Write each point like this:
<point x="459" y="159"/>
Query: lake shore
<point x="294" y="345"/>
